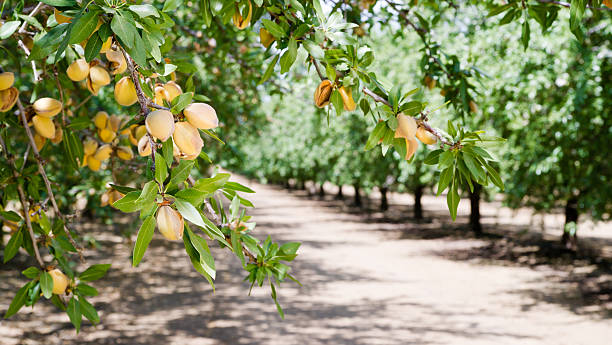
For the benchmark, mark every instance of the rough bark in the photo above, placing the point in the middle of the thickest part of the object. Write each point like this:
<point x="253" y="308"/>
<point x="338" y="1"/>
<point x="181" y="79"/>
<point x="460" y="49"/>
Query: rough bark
<point x="475" y="210"/>
<point x="571" y="215"/>
<point x="321" y="191"/>
<point x="418" y="206"/>
<point x="339" y="195"/>
<point x="357" y="195"/>
<point x="384" y="203"/>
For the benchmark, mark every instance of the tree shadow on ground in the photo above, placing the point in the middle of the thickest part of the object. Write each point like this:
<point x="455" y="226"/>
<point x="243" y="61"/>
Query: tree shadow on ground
<point x="580" y="281"/>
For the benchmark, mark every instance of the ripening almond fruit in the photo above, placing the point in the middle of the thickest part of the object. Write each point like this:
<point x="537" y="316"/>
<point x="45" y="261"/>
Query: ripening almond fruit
<point x="60" y="18"/>
<point x="136" y="133"/>
<point x="125" y="153"/>
<point x="160" y="124"/>
<point x="78" y="70"/>
<point x="47" y="107"/>
<point x="347" y="98"/>
<point x="201" y="115"/>
<point x="187" y="138"/>
<point x="93" y="88"/>
<point x="144" y="146"/>
<point x="58" y="135"/>
<point x="189" y="158"/>
<point x="106" y="46"/>
<point x="173" y="90"/>
<point x="322" y="93"/>
<point x="265" y="37"/>
<point x="411" y="146"/>
<point x="90" y="146"/>
<point x="101" y="120"/>
<point x="426" y="137"/>
<point x="241" y="22"/>
<point x="103" y="153"/>
<point x="170" y="223"/>
<point x="429" y="82"/>
<point x="39" y="141"/>
<point x="473" y="107"/>
<point x="125" y="92"/>
<point x="60" y="281"/>
<point x="8" y="98"/>
<point x="406" y="126"/>
<point x="6" y="80"/>
<point x="160" y="94"/>
<point x="106" y="135"/>
<point x="114" y="123"/>
<point x="44" y="126"/>
<point x="93" y="163"/>
<point x="118" y="64"/>
<point x="109" y="197"/>
<point x="607" y="3"/>
<point x="99" y="76"/>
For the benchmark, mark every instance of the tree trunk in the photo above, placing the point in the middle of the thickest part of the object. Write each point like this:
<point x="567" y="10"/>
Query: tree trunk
<point x="384" y="204"/>
<point x="287" y="184"/>
<point x="321" y="191"/>
<point x="357" y="196"/>
<point x="571" y="216"/>
<point x="475" y="210"/>
<point x="418" y="206"/>
<point x="339" y="195"/>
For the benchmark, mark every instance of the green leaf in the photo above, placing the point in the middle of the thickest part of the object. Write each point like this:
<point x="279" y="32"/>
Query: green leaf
<point x="445" y="177"/>
<point x="49" y="42"/>
<point x="86" y="290"/>
<point x="314" y="49"/>
<point x="74" y="313"/>
<point x="8" y="28"/>
<point x="60" y="3"/>
<point x="145" y="234"/>
<point x="168" y="152"/>
<point x="94" y="272"/>
<point x="525" y="33"/>
<point x="128" y="203"/>
<point x="238" y="187"/>
<point x="194" y="196"/>
<point x="88" y="310"/>
<point x="171" y="5"/>
<point x="194" y="256"/>
<point x="377" y="134"/>
<point x="83" y="27"/>
<point x="18" y="301"/>
<point x="452" y="199"/>
<point x="336" y="100"/>
<point x="290" y="247"/>
<point x="289" y="56"/>
<point x="11" y="215"/>
<point x="181" y="172"/>
<point x="446" y="159"/>
<point x="180" y="102"/>
<point x="275" y="29"/>
<point x="92" y="49"/>
<point x="13" y="245"/>
<point x="161" y="168"/>
<point x="31" y="272"/>
<point x="144" y="10"/>
<point x="474" y="168"/>
<point x="210" y="185"/>
<point x="206" y="259"/>
<point x="433" y="157"/>
<point x="149" y="193"/>
<point x="189" y="212"/>
<point x="124" y="30"/>
<point x="46" y="284"/>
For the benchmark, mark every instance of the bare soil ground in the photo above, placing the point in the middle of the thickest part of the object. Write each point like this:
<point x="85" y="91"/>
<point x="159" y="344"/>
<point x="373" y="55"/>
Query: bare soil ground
<point x="368" y="278"/>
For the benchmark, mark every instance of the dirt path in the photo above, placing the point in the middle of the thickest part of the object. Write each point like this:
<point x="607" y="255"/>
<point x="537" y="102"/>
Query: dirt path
<point x="365" y="282"/>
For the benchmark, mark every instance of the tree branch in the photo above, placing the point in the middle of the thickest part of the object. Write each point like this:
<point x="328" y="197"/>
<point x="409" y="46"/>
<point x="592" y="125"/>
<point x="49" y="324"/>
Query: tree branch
<point x="43" y="174"/>
<point x="24" y="205"/>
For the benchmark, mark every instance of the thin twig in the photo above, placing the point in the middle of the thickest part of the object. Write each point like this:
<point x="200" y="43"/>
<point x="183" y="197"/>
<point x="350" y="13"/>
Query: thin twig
<point x="24" y="205"/>
<point x="375" y="96"/>
<point x="32" y="14"/>
<point x="43" y="174"/>
<point x="27" y="52"/>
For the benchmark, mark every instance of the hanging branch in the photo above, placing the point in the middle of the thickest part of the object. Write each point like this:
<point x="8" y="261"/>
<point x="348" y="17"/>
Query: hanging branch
<point x="24" y="205"/>
<point x="43" y="174"/>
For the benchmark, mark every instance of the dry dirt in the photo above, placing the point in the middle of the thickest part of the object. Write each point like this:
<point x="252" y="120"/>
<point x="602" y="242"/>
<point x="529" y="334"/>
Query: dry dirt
<point x="368" y="278"/>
